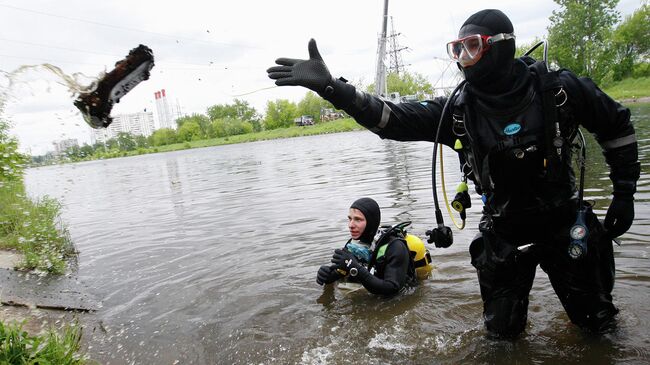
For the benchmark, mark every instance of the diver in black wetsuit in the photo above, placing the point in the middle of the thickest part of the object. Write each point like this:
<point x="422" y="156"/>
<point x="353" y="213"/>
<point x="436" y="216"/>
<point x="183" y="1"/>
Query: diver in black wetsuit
<point x="390" y="258"/>
<point x="516" y="145"/>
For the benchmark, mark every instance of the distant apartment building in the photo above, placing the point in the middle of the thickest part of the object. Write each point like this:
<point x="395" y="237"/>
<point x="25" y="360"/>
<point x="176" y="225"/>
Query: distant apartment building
<point x="63" y="145"/>
<point x="138" y="124"/>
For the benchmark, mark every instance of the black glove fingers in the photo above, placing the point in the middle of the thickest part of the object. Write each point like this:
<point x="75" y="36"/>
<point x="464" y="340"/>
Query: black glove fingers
<point x="323" y="274"/>
<point x="279" y="69"/>
<point x="609" y="221"/>
<point x="327" y="275"/>
<point x="620" y="227"/>
<point x="338" y="261"/>
<point x="620" y="216"/>
<point x="313" y="50"/>
<point x="311" y="73"/>
<point x="279" y="75"/>
<point x="287" y="81"/>
<point x="322" y="277"/>
<point x="287" y="61"/>
<point x="612" y="225"/>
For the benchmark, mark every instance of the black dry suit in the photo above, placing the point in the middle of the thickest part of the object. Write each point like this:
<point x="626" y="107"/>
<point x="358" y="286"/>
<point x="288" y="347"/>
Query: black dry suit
<point x="507" y="127"/>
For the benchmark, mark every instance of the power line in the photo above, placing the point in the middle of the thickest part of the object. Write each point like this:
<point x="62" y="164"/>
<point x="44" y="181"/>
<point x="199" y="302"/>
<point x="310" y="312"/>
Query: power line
<point x="49" y="60"/>
<point x="123" y="28"/>
<point x="60" y="48"/>
<point x="201" y="66"/>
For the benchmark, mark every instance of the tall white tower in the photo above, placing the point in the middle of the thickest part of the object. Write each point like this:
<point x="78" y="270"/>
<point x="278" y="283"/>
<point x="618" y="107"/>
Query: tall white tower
<point x="165" y="119"/>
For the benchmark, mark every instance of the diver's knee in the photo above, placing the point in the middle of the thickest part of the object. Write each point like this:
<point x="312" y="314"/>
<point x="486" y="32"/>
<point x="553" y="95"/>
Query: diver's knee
<point x="595" y="318"/>
<point x="506" y="317"/>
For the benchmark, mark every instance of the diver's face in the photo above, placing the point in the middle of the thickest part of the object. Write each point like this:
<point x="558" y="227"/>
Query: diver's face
<point x="356" y="223"/>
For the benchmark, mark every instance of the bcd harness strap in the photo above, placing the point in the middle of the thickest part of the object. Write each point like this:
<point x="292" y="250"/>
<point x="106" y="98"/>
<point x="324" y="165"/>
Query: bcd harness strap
<point x="553" y="97"/>
<point x="552" y="88"/>
<point x="381" y="244"/>
<point x="380" y="247"/>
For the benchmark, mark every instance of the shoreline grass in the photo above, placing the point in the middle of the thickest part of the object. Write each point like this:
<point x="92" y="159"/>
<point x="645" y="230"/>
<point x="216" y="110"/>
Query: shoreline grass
<point x="340" y="125"/>
<point x="337" y="126"/>
<point x="629" y="89"/>
<point x="18" y="347"/>
<point x="33" y="228"/>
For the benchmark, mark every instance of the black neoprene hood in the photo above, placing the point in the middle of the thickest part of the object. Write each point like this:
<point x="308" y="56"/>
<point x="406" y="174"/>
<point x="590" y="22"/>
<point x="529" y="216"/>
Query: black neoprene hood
<point x="496" y="63"/>
<point x="493" y="20"/>
<point x="371" y="212"/>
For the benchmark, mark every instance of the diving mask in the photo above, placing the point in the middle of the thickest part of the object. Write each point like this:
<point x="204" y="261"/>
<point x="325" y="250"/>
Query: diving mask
<point x="469" y="50"/>
<point x="360" y="251"/>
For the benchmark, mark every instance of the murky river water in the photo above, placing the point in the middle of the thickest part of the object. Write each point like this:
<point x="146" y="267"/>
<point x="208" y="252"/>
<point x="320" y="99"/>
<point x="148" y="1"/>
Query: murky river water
<point x="209" y="256"/>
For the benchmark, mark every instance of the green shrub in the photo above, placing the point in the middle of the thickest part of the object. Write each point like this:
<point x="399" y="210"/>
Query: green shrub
<point x="33" y="228"/>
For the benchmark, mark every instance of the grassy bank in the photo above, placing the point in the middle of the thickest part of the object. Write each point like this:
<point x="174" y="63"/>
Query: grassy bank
<point x="18" y="347"/>
<point x="32" y="228"/>
<point x="341" y="125"/>
<point x="629" y="89"/>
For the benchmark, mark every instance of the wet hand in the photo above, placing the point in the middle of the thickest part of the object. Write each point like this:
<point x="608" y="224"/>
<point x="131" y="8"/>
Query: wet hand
<point x="312" y="73"/>
<point x="619" y="216"/>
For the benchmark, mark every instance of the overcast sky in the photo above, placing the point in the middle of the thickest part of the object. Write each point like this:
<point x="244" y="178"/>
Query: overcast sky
<point x="210" y="52"/>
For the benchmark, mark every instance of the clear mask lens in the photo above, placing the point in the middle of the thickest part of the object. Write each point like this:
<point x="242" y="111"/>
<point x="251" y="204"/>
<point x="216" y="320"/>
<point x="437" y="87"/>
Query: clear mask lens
<point x="469" y="50"/>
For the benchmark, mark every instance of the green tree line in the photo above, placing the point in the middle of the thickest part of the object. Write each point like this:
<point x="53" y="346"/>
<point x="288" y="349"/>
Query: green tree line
<point x="219" y="121"/>
<point x="589" y="38"/>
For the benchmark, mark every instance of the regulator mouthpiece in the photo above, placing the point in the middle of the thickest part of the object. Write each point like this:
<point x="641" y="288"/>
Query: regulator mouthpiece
<point x="461" y="203"/>
<point x="96" y="105"/>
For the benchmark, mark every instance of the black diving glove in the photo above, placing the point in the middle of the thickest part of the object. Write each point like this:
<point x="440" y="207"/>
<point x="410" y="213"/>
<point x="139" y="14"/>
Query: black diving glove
<point x="327" y="275"/>
<point x="314" y="75"/>
<point x="346" y="261"/>
<point x="619" y="216"/>
<point x="625" y="171"/>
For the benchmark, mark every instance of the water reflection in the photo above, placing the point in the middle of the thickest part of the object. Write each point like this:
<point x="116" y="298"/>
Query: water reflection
<point x="176" y="187"/>
<point x="210" y="256"/>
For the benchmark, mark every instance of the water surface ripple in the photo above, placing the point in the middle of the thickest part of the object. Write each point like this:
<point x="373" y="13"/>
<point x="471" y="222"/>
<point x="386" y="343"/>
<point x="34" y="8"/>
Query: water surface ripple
<point x="209" y="256"/>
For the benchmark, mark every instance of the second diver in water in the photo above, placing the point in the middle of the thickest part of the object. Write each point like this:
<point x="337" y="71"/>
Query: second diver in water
<point x="384" y="266"/>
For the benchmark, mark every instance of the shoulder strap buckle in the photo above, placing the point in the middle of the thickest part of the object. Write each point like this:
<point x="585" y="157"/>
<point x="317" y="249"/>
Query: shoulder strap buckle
<point x="561" y="95"/>
<point x="458" y="125"/>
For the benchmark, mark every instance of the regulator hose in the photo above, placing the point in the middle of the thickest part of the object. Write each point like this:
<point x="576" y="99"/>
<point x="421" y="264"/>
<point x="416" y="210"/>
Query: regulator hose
<point x="441" y="235"/>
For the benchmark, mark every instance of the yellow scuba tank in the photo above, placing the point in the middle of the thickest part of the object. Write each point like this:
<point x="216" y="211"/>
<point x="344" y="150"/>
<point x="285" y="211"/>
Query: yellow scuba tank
<point x="422" y="257"/>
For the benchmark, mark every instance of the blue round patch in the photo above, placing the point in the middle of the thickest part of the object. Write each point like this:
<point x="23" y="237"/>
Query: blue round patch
<point x="511" y="129"/>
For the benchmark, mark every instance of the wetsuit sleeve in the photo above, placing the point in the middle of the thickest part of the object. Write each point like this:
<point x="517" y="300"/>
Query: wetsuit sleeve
<point x="610" y="123"/>
<point x="408" y="121"/>
<point x="395" y="272"/>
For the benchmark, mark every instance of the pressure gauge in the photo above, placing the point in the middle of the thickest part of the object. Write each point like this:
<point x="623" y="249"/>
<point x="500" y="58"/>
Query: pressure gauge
<point x="578" y="232"/>
<point x="576" y="250"/>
